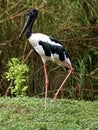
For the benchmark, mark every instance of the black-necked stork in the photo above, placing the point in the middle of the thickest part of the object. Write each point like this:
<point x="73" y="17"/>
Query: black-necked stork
<point x="48" y="48"/>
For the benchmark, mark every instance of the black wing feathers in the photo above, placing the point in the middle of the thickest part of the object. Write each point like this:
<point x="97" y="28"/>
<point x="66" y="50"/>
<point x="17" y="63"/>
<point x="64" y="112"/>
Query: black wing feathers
<point x="53" y="49"/>
<point x="46" y="48"/>
<point x="54" y="40"/>
<point x="58" y="50"/>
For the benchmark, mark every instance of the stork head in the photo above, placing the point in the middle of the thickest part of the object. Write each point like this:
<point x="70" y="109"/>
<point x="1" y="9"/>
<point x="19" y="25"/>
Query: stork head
<point x="32" y="15"/>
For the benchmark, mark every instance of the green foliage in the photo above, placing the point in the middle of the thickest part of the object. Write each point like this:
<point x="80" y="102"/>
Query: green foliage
<point x="17" y="75"/>
<point x="80" y="76"/>
<point x="86" y="73"/>
<point x="29" y="114"/>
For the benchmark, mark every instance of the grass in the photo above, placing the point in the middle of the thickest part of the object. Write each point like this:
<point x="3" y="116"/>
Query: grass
<point x="29" y="114"/>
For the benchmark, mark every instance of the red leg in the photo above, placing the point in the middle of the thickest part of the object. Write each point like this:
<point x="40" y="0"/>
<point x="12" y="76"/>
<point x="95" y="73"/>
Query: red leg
<point x="46" y="84"/>
<point x="70" y="71"/>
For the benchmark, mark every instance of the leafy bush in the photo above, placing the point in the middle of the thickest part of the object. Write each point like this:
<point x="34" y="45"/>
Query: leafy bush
<point x="17" y="75"/>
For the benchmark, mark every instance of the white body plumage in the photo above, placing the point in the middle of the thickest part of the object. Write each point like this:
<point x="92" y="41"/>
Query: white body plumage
<point x="34" y="40"/>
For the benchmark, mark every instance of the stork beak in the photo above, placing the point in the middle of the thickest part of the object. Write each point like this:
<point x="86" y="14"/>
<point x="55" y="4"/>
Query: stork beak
<point x="24" y="28"/>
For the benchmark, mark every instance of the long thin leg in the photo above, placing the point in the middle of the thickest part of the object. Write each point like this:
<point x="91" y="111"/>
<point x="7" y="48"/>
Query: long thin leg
<point x="70" y="71"/>
<point x="46" y="84"/>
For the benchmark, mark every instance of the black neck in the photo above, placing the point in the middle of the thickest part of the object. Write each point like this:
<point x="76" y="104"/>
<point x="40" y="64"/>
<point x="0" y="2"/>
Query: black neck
<point x="29" y="29"/>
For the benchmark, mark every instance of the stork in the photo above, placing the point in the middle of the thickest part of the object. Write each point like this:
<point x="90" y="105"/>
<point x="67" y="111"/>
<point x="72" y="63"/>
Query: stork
<point x="48" y="48"/>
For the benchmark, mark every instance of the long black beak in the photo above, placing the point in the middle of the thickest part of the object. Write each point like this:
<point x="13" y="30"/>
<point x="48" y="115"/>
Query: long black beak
<point x="24" y="28"/>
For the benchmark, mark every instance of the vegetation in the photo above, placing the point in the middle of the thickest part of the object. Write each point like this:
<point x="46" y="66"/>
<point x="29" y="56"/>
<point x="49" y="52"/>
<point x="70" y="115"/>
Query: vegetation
<point x="74" y="23"/>
<point x="29" y="114"/>
<point x="16" y="74"/>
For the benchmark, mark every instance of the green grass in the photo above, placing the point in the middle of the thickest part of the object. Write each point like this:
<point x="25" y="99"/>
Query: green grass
<point x="29" y="114"/>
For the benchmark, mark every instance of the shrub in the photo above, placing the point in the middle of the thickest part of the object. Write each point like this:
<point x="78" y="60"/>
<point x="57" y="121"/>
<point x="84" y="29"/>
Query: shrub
<point x="17" y="76"/>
